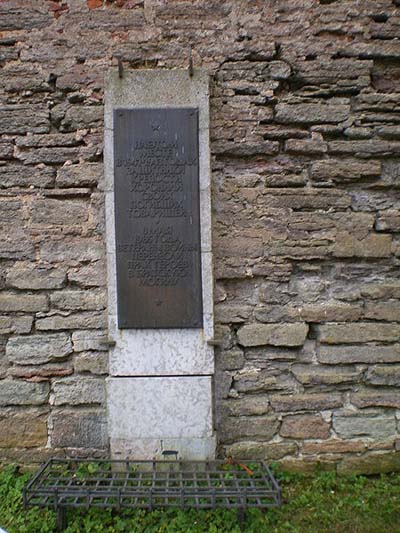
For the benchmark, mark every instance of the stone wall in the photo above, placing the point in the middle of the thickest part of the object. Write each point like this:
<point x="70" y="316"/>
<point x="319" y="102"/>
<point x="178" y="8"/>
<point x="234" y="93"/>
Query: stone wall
<point x="305" y="142"/>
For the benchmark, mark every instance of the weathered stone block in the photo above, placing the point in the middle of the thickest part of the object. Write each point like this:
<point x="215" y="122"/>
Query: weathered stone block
<point x="278" y="70"/>
<point x="38" y="349"/>
<point x="11" y="302"/>
<point x="306" y="402"/>
<point x="376" y="102"/>
<point x="19" y="118"/>
<point x="42" y="372"/>
<point x="11" y="209"/>
<point x="79" y="391"/>
<point x="50" y="140"/>
<point x="239" y="247"/>
<point x="93" y="362"/>
<point x="48" y="156"/>
<point x="304" y="427"/>
<point x="18" y="392"/>
<point x="358" y="332"/>
<point x="223" y="338"/>
<point x="261" y="427"/>
<point x="388" y="221"/>
<point x="373" y="398"/>
<point x="309" y="199"/>
<point x="79" y="117"/>
<point x="273" y="334"/>
<point x="83" y="175"/>
<point x="15" y="324"/>
<point x="93" y="275"/>
<point x="6" y="150"/>
<point x="389" y="311"/>
<point x="333" y="355"/>
<point x="23" y="77"/>
<point x="20" y="16"/>
<point x="33" y="276"/>
<point x="89" y="340"/>
<point x="21" y="176"/>
<point x="231" y="359"/>
<point x="365" y="148"/>
<point x="86" y="319"/>
<point x="333" y="446"/>
<point x="28" y="458"/>
<point x="390" y="173"/>
<point x="222" y="383"/>
<point x="232" y="314"/>
<point x="374" y="245"/>
<point x="370" y="463"/>
<point x="248" y="405"/>
<point x="75" y="300"/>
<point x="374" y="425"/>
<point x="72" y="251"/>
<point x="311" y="113"/>
<point x="27" y="428"/>
<point x="385" y="289"/>
<point x="388" y="132"/>
<point x="16" y="244"/>
<point x="59" y="212"/>
<point x="245" y="149"/>
<point x="344" y="170"/>
<point x="388" y="375"/>
<point x="330" y="311"/>
<point x="276" y="313"/>
<point x="254" y="379"/>
<point x="370" y="201"/>
<point x="269" y="451"/>
<point x="325" y="375"/>
<point x="306" y="146"/>
<point x="309" y="464"/>
<point x="78" y="429"/>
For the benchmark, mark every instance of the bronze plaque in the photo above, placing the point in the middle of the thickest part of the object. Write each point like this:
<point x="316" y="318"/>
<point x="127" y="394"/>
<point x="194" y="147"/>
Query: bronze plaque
<point x="157" y="218"/>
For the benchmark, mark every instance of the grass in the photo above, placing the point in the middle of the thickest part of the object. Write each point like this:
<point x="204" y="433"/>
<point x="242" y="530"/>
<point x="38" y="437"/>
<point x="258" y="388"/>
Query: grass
<point x="321" y="503"/>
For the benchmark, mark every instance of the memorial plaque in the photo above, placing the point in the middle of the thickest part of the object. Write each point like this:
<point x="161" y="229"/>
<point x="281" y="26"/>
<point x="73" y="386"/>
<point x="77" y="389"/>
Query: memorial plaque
<point x="157" y="218"/>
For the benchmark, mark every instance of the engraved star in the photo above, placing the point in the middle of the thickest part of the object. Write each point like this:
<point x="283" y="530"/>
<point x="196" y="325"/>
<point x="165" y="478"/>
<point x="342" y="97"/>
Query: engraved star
<point x="155" y="126"/>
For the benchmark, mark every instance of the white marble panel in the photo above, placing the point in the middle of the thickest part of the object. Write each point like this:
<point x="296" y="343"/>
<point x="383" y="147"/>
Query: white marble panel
<point x="159" y="407"/>
<point x="162" y="352"/>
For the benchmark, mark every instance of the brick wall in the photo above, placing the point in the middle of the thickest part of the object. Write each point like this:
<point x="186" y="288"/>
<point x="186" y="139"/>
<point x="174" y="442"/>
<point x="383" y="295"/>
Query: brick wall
<point x="305" y="142"/>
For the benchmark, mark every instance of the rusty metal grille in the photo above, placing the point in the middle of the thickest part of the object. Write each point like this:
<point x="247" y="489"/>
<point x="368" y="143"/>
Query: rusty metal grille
<point x="63" y="483"/>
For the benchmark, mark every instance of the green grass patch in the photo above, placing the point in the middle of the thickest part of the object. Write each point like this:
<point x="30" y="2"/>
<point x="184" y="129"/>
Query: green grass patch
<point x="321" y="503"/>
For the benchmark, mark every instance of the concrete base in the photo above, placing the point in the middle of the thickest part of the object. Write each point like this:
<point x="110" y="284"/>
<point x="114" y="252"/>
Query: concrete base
<point x="144" y="449"/>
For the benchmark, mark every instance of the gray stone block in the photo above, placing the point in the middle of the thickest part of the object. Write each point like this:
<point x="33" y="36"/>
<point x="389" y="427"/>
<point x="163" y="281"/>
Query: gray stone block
<point x="38" y="349"/>
<point x="89" y="340"/>
<point x="273" y="334"/>
<point x="34" y="276"/>
<point x="18" y="392"/>
<point x="78" y="429"/>
<point x="376" y="425"/>
<point x="12" y="302"/>
<point x="85" y="319"/>
<point x="79" y="390"/>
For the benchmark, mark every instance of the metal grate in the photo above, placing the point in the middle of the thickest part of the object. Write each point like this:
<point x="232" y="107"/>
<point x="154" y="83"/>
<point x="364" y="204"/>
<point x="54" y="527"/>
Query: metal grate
<point x="63" y="483"/>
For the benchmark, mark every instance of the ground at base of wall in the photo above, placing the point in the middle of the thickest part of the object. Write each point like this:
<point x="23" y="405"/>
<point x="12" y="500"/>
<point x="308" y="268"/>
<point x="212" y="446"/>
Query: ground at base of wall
<point x="322" y="502"/>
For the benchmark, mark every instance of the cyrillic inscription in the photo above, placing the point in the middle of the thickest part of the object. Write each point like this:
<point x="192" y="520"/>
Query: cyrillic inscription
<point x="157" y="218"/>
